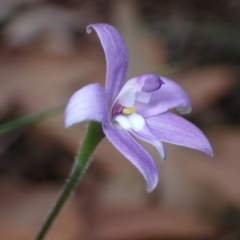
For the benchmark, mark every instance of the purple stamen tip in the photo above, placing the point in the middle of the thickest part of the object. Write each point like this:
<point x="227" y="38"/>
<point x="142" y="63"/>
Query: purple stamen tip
<point x="152" y="82"/>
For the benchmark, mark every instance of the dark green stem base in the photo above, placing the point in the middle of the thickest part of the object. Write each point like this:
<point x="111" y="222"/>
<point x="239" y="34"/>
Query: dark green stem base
<point x="93" y="137"/>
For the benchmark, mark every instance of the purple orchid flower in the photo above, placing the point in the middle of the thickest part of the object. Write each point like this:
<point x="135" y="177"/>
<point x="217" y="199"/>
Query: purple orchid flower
<point x="138" y="107"/>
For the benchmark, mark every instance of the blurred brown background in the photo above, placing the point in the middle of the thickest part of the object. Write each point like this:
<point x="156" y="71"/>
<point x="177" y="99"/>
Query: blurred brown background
<point x="46" y="55"/>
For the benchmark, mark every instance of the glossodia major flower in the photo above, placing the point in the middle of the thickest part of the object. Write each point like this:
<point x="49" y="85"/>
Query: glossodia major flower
<point x="139" y="108"/>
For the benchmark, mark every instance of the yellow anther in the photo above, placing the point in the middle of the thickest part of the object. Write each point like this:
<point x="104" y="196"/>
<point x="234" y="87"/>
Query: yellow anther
<point x="129" y="111"/>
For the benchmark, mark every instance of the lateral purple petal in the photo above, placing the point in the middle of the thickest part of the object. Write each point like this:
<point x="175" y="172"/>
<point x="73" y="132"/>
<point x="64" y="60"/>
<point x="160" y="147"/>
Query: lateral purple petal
<point x="88" y="103"/>
<point x="135" y="153"/>
<point x="169" y="96"/>
<point x="146" y="135"/>
<point x="171" y="128"/>
<point x="116" y="56"/>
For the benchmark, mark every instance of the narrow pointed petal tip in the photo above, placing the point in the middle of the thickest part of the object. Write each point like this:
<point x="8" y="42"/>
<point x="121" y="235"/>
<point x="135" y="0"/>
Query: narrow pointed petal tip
<point x="135" y="153"/>
<point x="171" y="128"/>
<point x="151" y="186"/>
<point x="210" y="152"/>
<point x="88" y="103"/>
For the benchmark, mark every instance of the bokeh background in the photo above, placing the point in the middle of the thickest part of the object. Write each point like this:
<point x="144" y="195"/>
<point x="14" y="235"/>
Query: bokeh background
<point x="46" y="55"/>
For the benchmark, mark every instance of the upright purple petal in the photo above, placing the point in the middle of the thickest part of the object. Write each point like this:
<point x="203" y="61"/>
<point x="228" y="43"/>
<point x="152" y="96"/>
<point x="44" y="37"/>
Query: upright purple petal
<point x="171" y="128"/>
<point x="135" y="153"/>
<point x="138" y="89"/>
<point x="169" y="96"/>
<point x="116" y="56"/>
<point x="88" y="103"/>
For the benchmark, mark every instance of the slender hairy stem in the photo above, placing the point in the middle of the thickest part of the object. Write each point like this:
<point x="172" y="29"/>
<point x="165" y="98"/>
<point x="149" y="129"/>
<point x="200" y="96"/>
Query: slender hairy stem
<point x="93" y="136"/>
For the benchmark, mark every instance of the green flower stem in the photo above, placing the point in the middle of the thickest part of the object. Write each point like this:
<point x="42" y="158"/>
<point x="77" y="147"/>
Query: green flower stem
<point x="93" y="137"/>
